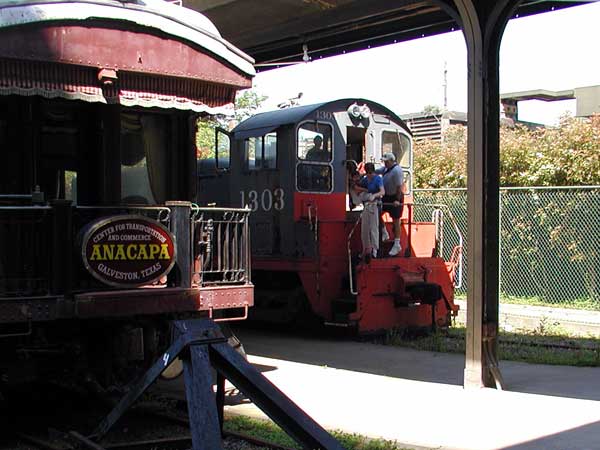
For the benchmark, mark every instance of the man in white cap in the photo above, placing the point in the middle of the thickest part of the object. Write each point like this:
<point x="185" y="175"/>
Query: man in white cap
<point x="393" y="201"/>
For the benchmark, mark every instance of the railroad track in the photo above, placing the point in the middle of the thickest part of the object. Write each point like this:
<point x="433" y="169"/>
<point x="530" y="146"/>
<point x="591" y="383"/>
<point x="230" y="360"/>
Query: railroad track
<point x="179" y="441"/>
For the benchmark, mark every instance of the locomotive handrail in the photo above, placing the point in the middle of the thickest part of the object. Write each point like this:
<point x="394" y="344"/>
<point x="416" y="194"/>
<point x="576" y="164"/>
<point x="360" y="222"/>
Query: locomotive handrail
<point x="457" y="254"/>
<point x="197" y="209"/>
<point x="460" y="246"/>
<point x="237" y="210"/>
<point x="351" y="278"/>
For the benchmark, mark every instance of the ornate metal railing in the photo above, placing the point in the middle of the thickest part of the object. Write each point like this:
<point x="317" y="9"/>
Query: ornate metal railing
<point x="221" y="246"/>
<point x="25" y="242"/>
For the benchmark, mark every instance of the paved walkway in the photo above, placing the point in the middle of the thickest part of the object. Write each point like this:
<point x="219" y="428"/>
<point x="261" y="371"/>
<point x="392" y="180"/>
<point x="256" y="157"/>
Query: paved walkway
<point x="416" y="398"/>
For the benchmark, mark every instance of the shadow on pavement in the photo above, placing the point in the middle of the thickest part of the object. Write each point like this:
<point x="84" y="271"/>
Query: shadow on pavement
<point x="432" y="367"/>
<point x="576" y="438"/>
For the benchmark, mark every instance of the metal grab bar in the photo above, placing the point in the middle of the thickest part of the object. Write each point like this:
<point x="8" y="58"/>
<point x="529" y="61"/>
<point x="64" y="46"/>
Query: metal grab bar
<point x="437" y="217"/>
<point x="228" y="319"/>
<point x="350" y="277"/>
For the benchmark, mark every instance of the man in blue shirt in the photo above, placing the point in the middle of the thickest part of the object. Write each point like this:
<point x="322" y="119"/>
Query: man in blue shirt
<point x="371" y="191"/>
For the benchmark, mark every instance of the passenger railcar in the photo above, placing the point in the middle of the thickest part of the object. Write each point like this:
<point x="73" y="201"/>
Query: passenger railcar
<point x="290" y="167"/>
<point x="100" y="243"/>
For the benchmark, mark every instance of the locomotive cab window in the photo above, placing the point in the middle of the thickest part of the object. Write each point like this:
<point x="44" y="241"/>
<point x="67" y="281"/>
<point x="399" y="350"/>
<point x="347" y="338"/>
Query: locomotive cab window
<point x="254" y="150"/>
<point x="313" y="177"/>
<point x="398" y="144"/>
<point x="313" y="171"/>
<point x="314" y="142"/>
<point x="261" y="152"/>
<point x="223" y="145"/>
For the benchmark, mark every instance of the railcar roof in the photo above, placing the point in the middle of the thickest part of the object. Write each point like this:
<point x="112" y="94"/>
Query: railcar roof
<point x="266" y="122"/>
<point x="177" y="21"/>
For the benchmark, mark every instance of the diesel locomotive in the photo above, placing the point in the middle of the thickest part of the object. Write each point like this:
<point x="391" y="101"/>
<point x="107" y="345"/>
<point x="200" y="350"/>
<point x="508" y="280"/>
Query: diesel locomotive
<point x="101" y="243"/>
<point x="291" y="167"/>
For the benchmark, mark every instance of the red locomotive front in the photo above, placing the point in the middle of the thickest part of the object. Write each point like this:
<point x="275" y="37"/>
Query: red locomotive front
<point x="295" y="169"/>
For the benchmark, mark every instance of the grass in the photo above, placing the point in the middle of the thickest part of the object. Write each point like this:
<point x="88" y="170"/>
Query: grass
<point x="585" y="303"/>
<point x="268" y="431"/>
<point x="547" y="344"/>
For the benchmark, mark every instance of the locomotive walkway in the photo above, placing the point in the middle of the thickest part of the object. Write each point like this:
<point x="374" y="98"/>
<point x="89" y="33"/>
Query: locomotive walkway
<point x="417" y="398"/>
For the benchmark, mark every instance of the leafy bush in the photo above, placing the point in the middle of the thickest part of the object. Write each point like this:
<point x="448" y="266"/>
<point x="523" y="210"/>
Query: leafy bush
<point x="566" y="155"/>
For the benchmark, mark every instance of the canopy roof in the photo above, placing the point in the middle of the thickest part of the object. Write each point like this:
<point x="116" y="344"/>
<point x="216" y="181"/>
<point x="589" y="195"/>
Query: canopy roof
<point x="274" y="31"/>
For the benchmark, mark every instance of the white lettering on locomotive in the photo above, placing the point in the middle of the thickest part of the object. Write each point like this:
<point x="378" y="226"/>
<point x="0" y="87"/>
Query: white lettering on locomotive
<point x="268" y="200"/>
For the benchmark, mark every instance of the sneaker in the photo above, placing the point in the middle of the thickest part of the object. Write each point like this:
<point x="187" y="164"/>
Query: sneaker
<point x="367" y="258"/>
<point x="374" y="254"/>
<point x="395" y="249"/>
<point x="384" y="234"/>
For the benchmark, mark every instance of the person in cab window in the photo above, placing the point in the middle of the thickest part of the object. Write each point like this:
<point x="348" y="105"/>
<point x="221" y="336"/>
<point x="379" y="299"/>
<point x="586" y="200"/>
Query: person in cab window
<point x="317" y="152"/>
<point x="393" y="200"/>
<point x="371" y="191"/>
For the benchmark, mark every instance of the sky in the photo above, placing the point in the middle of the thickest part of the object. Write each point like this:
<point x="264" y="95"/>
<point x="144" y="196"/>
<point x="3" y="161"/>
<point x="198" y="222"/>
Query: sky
<point x="554" y="51"/>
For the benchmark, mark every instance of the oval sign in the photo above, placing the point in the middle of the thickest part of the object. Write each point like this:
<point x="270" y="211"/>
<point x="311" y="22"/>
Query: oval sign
<point x="128" y="251"/>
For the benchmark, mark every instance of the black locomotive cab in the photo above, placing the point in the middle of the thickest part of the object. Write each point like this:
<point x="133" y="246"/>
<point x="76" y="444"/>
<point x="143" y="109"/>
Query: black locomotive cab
<point x="291" y="166"/>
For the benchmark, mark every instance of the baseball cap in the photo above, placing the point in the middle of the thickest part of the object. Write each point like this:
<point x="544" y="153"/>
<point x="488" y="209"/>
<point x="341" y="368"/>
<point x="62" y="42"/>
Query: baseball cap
<point x="388" y="157"/>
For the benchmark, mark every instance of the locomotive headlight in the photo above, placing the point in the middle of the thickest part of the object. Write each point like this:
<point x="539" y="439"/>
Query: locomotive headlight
<point x="365" y="112"/>
<point x="354" y="110"/>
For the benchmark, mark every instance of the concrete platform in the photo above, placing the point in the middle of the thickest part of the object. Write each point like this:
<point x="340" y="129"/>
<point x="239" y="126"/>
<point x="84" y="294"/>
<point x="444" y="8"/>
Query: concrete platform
<point x="417" y="399"/>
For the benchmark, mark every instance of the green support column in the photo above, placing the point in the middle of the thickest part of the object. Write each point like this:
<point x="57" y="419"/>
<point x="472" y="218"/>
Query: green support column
<point x="483" y="23"/>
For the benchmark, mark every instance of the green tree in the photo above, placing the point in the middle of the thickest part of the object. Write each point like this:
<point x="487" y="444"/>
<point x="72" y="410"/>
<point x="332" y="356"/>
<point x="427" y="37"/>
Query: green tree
<point x="246" y="104"/>
<point x="566" y="155"/>
<point x="432" y="109"/>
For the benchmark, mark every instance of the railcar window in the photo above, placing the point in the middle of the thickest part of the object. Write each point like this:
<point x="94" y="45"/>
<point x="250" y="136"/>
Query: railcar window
<point x="59" y="142"/>
<point x="398" y="144"/>
<point x="143" y="158"/>
<point x="313" y="177"/>
<point x="70" y="185"/>
<point x="314" y="142"/>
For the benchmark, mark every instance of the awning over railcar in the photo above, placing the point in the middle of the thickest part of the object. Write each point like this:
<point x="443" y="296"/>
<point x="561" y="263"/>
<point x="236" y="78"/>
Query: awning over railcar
<point x="151" y="54"/>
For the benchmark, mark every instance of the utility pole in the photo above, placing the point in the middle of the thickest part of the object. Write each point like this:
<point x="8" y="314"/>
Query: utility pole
<point x="445" y="85"/>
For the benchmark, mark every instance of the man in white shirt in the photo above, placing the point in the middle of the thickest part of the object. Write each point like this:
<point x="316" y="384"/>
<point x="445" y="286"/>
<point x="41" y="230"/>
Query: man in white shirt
<point x="393" y="201"/>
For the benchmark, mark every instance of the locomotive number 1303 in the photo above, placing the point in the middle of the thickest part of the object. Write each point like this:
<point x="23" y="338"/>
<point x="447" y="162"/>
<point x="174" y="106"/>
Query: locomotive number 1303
<point x="265" y="201"/>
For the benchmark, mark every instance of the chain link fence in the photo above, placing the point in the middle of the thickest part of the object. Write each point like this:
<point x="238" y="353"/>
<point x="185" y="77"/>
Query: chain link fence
<point x="549" y="242"/>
